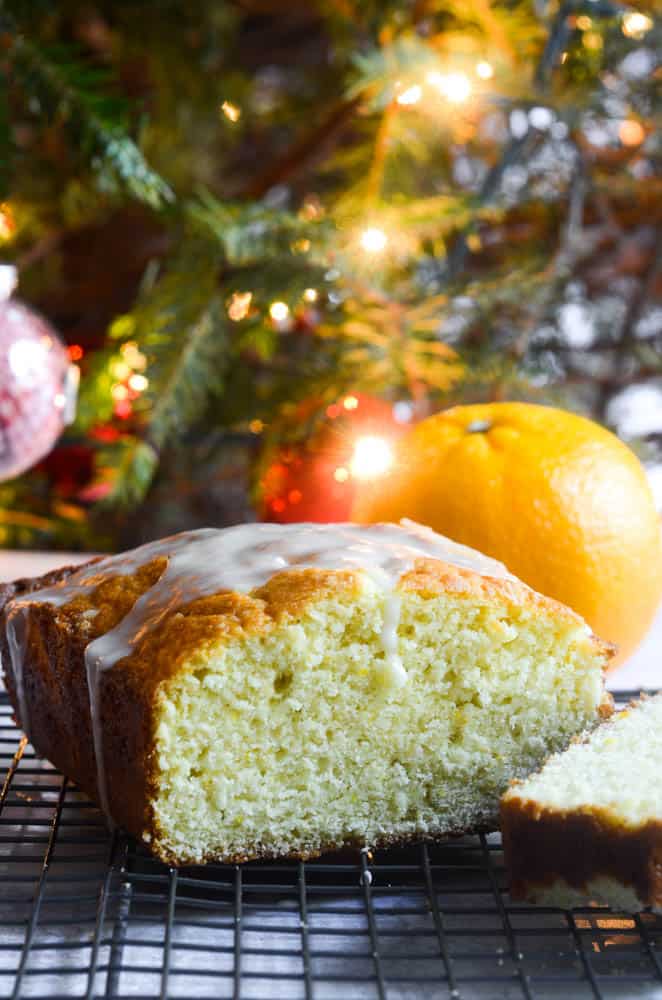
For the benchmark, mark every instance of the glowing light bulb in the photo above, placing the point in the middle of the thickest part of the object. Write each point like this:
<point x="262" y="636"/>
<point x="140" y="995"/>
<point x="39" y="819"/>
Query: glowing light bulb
<point x="123" y="409"/>
<point x="631" y="133"/>
<point x="411" y="95"/>
<point x="7" y="223"/>
<point x="138" y="383"/>
<point x="350" y="403"/>
<point x="256" y="427"/>
<point x="312" y="208"/>
<point x="635" y="24"/>
<point x="231" y="111"/>
<point x="341" y="475"/>
<point x="133" y="357"/>
<point x="455" y="87"/>
<point x="373" y="456"/>
<point x="373" y="240"/>
<point x="239" y="305"/>
<point x="484" y="70"/>
<point x="584" y="22"/>
<point x="119" y="392"/>
<point x="593" y="41"/>
<point x="279" y="311"/>
<point x="120" y="370"/>
<point x="311" y="295"/>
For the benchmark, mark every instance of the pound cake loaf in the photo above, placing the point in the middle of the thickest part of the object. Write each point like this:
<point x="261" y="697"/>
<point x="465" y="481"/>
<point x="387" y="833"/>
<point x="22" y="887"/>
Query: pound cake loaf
<point x="281" y="690"/>
<point x="589" y="824"/>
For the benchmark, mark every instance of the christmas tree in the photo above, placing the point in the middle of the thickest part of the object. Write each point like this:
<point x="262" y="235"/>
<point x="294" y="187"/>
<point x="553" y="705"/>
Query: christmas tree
<point x="250" y="219"/>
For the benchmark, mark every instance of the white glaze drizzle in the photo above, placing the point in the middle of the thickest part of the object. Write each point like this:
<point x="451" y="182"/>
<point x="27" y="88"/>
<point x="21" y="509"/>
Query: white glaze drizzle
<point x="209" y="561"/>
<point x="394" y="671"/>
<point x="16" y="629"/>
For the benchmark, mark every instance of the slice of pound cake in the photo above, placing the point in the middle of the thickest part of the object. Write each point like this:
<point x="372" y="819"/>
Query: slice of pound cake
<point x="271" y="690"/>
<point x="589" y="824"/>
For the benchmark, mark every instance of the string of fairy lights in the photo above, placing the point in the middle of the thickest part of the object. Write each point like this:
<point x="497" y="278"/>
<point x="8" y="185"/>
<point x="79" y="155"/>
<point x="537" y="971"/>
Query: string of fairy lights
<point x="130" y="382"/>
<point x="456" y="88"/>
<point x="373" y="455"/>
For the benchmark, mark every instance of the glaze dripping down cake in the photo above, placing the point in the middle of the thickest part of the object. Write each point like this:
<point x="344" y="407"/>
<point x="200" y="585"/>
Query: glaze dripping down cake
<point x="272" y="690"/>
<point x="589" y="824"/>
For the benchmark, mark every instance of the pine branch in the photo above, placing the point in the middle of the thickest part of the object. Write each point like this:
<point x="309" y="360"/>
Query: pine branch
<point x="74" y="93"/>
<point x="95" y="403"/>
<point x="174" y="319"/>
<point x="32" y="517"/>
<point x="376" y="175"/>
<point x="490" y="21"/>
<point x="181" y="328"/>
<point x="191" y="374"/>
<point x="124" y="472"/>
<point x="246" y="233"/>
<point x="377" y="69"/>
<point x="517" y="147"/>
<point x="306" y="149"/>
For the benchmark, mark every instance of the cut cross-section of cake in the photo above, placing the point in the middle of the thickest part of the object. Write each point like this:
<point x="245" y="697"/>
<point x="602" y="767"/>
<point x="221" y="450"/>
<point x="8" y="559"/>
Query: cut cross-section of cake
<point x="589" y="824"/>
<point x="272" y="690"/>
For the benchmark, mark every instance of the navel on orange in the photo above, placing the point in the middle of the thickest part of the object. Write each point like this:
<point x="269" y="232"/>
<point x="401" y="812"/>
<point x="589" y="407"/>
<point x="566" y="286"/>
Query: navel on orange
<point x="557" y="498"/>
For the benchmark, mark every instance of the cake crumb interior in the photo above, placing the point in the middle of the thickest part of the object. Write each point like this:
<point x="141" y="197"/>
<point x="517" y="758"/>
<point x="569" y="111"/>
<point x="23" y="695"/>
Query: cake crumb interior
<point x="617" y="770"/>
<point x="294" y="739"/>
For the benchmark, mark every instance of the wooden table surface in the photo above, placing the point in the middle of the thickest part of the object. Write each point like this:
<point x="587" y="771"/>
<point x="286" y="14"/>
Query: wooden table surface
<point x="642" y="670"/>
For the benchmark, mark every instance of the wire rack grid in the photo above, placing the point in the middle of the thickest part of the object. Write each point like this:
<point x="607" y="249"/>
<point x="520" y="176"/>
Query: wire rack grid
<point x="87" y="913"/>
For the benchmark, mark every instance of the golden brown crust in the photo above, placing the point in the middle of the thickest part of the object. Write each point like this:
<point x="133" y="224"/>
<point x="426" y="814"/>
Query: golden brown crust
<point x="285" y="595"/>
<point x="546" y="846"/>
<point x="55" y="679"/>
<point x="21" y="588"/>
<point x="56" y="691"/>
<point x="431" y="576"/>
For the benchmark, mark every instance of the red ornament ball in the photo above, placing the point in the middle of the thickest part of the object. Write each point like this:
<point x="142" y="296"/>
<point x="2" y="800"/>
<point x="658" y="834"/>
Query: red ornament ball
<point x="316" y="480"/>
<point x="37" y="383"/>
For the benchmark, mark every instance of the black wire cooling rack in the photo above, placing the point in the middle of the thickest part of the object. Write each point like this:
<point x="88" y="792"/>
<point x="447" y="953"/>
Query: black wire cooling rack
<point x="86" y="913"/>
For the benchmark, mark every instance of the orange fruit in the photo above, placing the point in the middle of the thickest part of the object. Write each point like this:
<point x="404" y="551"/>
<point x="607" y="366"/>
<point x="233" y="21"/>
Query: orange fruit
<point x="557" y="498"/>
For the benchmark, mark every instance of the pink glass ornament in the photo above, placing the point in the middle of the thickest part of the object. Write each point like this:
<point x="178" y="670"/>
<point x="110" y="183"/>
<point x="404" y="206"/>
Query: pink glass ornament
<point x="37" y="383"/>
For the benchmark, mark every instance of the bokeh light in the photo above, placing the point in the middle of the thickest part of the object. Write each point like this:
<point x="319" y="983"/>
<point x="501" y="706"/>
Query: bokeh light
<point x="373" y="456"/>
